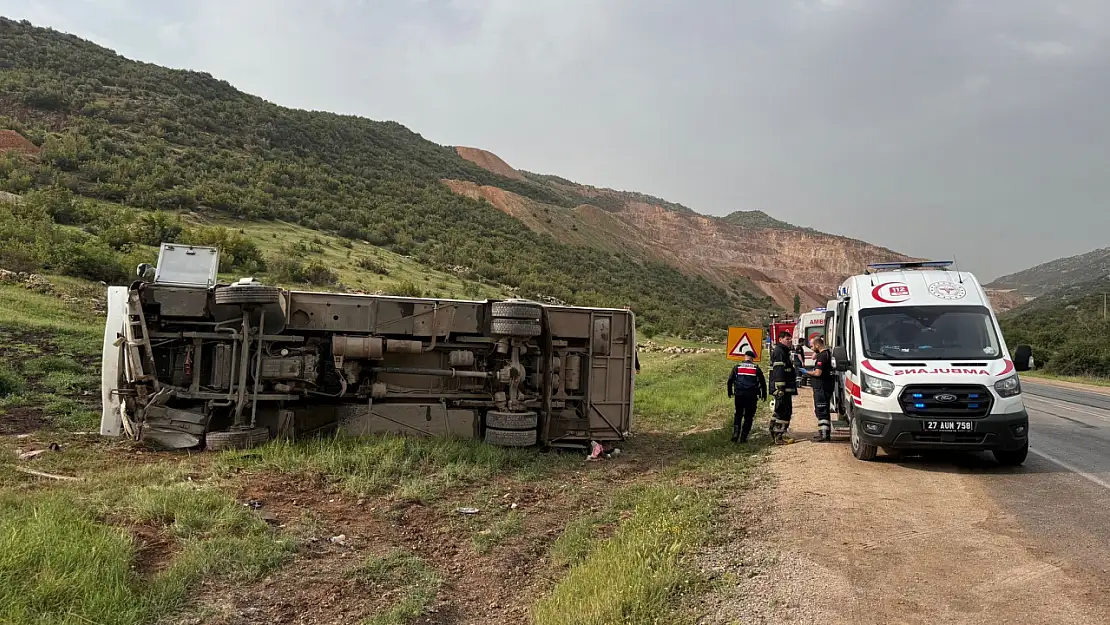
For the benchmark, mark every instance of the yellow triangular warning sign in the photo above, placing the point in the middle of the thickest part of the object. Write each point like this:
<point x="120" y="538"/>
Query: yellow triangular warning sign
<point x="743" y="345"/>
<point x="741" y="340"/>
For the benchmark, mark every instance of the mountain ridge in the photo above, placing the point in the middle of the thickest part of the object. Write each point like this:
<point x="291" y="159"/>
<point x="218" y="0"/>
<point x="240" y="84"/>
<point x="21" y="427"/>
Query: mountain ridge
<point x="750" y="253"/>
<point x="1063" y="272"/>
<point x="138" y="135"/>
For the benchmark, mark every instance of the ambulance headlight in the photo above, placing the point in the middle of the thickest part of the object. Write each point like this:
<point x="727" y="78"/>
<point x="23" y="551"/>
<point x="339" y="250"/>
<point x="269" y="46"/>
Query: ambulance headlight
<point x="876" y="386"/>
<point x="1009" y="387"/>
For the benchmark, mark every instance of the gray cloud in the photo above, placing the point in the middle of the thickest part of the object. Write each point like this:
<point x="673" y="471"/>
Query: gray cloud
<point x="948" y="127"/>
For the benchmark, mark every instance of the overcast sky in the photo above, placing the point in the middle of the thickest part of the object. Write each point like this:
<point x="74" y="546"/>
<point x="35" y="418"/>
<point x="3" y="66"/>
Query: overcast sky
<point x="971" y="128"/>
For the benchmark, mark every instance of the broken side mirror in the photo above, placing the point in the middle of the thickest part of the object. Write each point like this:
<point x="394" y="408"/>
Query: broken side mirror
<point x="840" y="359"/>
<point x="1023" y="358"/>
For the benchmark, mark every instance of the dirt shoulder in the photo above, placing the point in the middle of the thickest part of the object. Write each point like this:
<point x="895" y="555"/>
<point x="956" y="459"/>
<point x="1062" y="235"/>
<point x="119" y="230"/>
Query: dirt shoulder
<point x="837" y="540"/>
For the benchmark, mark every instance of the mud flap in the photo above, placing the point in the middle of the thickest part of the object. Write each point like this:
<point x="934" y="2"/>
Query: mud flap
<point x="170" y="428"/>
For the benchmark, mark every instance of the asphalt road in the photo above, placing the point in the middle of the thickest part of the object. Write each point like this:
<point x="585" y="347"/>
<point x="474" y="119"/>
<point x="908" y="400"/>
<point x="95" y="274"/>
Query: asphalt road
<point x="1061" y="495"/>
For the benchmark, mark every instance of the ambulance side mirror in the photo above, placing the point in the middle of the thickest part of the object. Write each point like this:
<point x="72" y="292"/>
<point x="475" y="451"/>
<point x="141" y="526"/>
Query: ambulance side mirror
<point x="840" y="359"/>
<point x="1023" y="358"/>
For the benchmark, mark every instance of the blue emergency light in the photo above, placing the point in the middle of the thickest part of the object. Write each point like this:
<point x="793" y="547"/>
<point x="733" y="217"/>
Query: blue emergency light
<point x="921" y="264"/>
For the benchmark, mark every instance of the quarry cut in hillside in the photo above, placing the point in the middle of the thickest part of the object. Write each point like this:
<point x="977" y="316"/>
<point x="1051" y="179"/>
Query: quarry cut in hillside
<point x="489" y="161"/>
<point x="780" y="262"/>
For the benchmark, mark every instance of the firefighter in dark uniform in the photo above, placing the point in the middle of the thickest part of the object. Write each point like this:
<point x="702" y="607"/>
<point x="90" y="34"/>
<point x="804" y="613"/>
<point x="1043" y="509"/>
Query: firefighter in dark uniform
<point x="822" y="383"/>
<point x="784" y="386"/>
<point x="747" y="385"/>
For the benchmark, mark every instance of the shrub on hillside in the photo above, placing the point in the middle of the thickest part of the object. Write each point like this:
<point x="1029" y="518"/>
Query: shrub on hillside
<point x="373" y="266"/>
<point x="237" y="251"/>
<point x="405" y="288"/>
<point x="11" y="383"/>
<point x="293" y="269"/>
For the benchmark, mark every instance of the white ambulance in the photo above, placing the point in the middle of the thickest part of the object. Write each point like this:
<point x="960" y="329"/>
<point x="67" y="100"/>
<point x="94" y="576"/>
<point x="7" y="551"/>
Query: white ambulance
<point x="810" y="326"/>
<point x="921" y="364"/>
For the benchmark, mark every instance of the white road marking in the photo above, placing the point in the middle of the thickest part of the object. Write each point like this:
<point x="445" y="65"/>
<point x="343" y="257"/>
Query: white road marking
<point x="1072" y="407"/>
<point x="1074" y="469"/>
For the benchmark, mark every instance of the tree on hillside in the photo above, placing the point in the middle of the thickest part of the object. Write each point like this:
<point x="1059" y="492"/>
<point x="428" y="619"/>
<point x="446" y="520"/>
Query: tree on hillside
<point x="797" y="304"/>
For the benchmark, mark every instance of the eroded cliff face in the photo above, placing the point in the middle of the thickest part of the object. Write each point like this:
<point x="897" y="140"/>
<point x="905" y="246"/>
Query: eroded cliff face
<point x="490" y="161"/>
<point x="779" y="262"/>
<point x="1003" y="300"/>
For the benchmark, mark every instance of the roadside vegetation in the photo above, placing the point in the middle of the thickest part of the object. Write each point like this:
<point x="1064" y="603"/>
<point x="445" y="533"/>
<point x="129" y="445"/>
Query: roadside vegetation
<point x="1069" y="335"/>
<point x="138" y="534"/>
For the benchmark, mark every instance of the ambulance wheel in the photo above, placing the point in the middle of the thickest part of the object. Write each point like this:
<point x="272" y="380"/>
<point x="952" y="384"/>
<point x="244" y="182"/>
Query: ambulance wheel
<point x="1011" y="457"/>
<point x="861" y="450"/>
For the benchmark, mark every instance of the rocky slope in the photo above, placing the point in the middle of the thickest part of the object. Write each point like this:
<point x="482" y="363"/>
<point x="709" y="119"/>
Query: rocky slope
<point x="746" y="251"/>
<point x="1063" y="272"/>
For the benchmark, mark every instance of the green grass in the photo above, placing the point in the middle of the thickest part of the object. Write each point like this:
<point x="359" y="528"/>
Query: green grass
<point x="45" y="342"/>
<point x="504" y="526"/>
<point x="391" y="270"/>
<point x="627" y="563"/>
<point x="1094" y="381"/>
<point x="579" y="537"/>
<point x="70" y="330"/>
<point x="11" y="383"/>
<point x="61" y="561"/>
<point x="676" y="394"/>
<point x="404" y="571"/>
<point x="406" y="468"/>
<point x="637" y="575"/>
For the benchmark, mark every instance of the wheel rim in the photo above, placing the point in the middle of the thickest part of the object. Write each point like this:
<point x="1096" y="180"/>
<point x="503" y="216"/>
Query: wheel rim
<point x="854" y="433"/>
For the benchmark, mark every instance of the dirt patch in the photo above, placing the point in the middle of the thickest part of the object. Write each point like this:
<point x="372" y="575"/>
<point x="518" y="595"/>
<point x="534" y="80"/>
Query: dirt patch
<point x="338" y="531"/>
<point x="22" y="420"/>
<point x="12" y="141"/>
<point x="837" y="541"/>
<point x="155" y="548"/>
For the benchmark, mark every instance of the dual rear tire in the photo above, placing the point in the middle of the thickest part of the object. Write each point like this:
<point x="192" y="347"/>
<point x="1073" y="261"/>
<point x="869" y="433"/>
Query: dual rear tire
<point x="511" y="429"/>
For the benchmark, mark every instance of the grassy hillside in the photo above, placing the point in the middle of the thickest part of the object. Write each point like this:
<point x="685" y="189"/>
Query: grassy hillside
<point x="136" y="135"/>
<point x="1063" y="272"/>
<point x="1066" y="328"/>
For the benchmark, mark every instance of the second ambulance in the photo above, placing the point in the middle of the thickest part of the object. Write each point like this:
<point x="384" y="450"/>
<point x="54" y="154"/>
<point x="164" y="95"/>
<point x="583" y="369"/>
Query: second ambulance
<point x="921" y="364"/>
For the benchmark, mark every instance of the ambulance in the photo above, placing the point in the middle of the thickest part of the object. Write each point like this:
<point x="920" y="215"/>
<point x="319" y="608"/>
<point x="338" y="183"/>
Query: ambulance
<point x="921" y="364"/>
<point x="809" y="326"/>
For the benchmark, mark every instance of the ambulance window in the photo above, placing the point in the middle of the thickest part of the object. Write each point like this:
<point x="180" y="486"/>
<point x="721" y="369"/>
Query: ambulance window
<point x="852" y="344"/>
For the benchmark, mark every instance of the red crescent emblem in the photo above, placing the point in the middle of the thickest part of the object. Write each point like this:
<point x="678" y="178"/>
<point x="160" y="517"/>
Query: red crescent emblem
<point x="877" y="293"/>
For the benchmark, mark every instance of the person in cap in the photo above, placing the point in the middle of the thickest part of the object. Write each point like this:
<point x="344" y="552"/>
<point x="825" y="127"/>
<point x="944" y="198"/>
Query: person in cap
<point x="746" y="385"/>
<point x="784" y="382"/>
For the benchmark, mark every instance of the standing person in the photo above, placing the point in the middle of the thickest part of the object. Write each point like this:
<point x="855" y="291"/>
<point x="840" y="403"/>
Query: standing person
<point x="822" y="384"/>
<point x="747" y="385"/>
<point x="785" y="386"/>
<point x="799" y="362"/>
